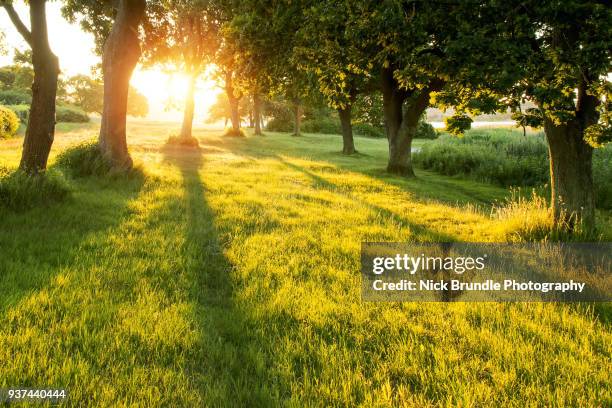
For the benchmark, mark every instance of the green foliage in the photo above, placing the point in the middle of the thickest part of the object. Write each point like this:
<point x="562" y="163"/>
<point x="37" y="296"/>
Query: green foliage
<point x="9" y="122"/>
<point x="326" y="125"/>
<point x="458" y="124"/>
<point x="425" y="131"/>
<point x="365" y="129"/>
<point x="71" y="114"/>
<point x="20" y="191"/>
<point x="84" y="160"/>
<point x="86" y="93"/>
<point x="280" y="124"/>
<point x="22" y="112"/>
<point x="15" y="97"/>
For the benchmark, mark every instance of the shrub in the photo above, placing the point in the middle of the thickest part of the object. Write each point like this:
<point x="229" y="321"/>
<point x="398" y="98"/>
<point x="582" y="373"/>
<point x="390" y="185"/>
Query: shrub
<point x="326" y="125"/>
<point x="22" y="112"/>
<point x="425" y="131"/>
<point x="20" y="191"/>
<point x="280" y="124"/>
<point x="365" y="129"/>
<point x="14" y="97"/>
<point x="9" y="123"/>
<point x="231" y="133"/>
<point x="183" y="141"/>
<point x="84" y="159"/>
<point x="71" y="114"/>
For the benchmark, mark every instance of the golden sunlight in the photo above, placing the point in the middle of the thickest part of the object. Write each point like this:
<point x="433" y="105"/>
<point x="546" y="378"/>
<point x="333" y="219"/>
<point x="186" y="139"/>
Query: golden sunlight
<point x="166" y="94"/>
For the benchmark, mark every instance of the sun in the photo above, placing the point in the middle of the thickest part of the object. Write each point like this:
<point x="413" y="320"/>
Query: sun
<point x="166" y="92"/>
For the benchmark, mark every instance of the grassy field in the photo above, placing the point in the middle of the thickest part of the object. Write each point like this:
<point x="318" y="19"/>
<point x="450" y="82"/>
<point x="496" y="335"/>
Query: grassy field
<point x="229" y="276"/>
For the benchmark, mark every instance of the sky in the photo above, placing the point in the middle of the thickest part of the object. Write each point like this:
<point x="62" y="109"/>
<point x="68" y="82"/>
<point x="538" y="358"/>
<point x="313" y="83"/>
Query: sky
<point x="75" y="50"/>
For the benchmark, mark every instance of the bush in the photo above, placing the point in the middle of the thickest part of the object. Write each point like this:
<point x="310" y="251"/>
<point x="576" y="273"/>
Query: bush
<point x="231" y="133"/>
<point x="14" y="97"/>
<point x="183" y="141"/>
<point x="326" y="125"/>
<point x="280" y="124"/>
<point x="83" y="160"/>
<point x="9" y="123"/>
<point x="426" y="131"/>
<point x="71" y="114"/>
<point x="22" y="112"/>
<point x="20" y="191"/>
<point x="365" y="129"/>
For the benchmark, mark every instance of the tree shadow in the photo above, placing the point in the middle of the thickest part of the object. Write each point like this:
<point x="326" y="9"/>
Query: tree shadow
<point x="36" y="245"/>
<point x="418" y="229"/>
<point x="427" y="185"/>
<point x="223" y="366"/>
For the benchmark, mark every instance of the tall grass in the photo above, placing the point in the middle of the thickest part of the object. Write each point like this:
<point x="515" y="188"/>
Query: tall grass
<point x="507" y="158"/>
<point x="20" y="191"/>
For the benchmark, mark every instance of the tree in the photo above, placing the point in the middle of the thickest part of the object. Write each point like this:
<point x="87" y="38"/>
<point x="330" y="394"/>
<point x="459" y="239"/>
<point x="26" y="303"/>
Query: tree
<point x="557" y="56"/>
<point x="120" y="54"/>
<point x="41" y="124"/>
<point x="186" y="38"/>
<point x="324" y="49"/>
<point x="411" y="46"/>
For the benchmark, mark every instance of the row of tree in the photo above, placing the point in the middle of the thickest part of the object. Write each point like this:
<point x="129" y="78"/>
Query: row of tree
<point x="475" y="56"/>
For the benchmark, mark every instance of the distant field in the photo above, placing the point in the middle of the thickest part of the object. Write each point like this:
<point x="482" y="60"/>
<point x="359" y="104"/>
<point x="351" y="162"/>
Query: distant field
<point x="229" y="275"/>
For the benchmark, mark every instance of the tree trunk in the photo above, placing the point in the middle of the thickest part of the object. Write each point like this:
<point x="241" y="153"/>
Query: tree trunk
<point x="348" y="145"/>
<point x="189" y="108"/>
<point x="41" y="125"/>
<point x="571" y="175"/>
<point x="399" y="145"/>
<point x="402" y="110"/>
<point x="234" y="114"/>
<point x="297" y="111"/>
<point x="121" y="54"/>
<point x="257" y="113"/>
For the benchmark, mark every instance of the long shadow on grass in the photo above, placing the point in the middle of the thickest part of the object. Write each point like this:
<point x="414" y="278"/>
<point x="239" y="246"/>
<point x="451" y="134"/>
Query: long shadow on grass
<point x="223" y="366"/>
<point x="37" y="244"/>
<point x="418" y="229"/>
<point x="428" y="185"/>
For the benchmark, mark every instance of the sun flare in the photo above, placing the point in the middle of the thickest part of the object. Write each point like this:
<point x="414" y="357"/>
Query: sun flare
<point x="166" y="92"/>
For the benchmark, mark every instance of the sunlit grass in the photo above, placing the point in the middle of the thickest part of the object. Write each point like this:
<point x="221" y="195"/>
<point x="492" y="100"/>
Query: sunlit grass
<point x="229" y="276"/>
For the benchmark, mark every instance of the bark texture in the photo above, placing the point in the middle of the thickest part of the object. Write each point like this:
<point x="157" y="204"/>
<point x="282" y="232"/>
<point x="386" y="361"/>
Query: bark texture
<point x="186" y="128"/>
<point x="571" y="165"/>
<point x="41" y="125"/>
<point x="571" y="175"/>
<point x="121" y="54"/>
<point x="348" y="144"/>
<point x="402" y="110"/>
